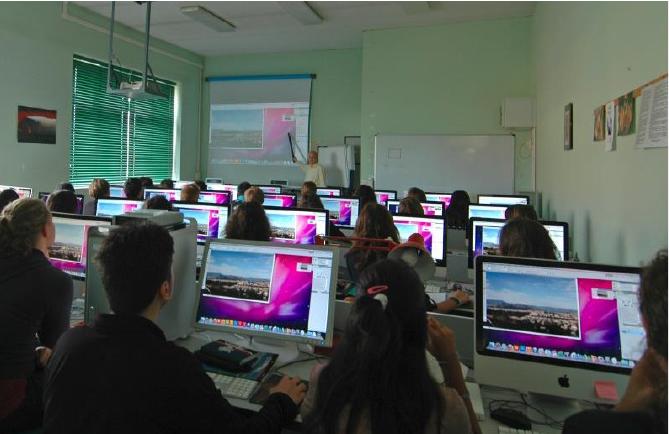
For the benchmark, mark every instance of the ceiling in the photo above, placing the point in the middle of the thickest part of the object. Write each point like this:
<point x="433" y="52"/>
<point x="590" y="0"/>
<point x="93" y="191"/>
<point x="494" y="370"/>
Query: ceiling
<point x="264" y="26"/>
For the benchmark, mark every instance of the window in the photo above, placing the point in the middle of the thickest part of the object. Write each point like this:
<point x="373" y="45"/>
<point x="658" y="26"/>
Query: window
<point x="114" y="137"/>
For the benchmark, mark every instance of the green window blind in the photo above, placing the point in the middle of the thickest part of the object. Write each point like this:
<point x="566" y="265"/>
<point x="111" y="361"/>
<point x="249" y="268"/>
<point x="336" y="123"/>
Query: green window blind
<point x="115" y="137"/>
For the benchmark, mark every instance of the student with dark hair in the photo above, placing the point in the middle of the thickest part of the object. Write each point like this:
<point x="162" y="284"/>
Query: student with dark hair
<point x="6" y="197"/>
<point x="313" y="201"/>
<point x="133" y="189"/>
<point x="378" y="379"/>
<point x="35" y="303"/>
<point x="241" y="189"/>
<point x="308" y="188"/>
<point x="457" y="212"/>
<point x="98" y="189"/>
<point x="62" y="201"/>
<point x="417" y="193"/>
<point x="146" y="181"/>
<point x="158" y="202"/>
<point x="643" y="407"/>
<point x="201" y="185"/>
<point x="248" y="222"/>
<point x="190" y="193"/>
<point x="410" y="206"/>
<point x="254" y="194"/>
<point x="365" y="194"/>
<point x="66" y="186"/>
<point x="120" y="375"/>
<point x="166" y="183"/>
<point x="520" y="211"/>
<point x="374" y="221"/>
<point x="526" y="238"/>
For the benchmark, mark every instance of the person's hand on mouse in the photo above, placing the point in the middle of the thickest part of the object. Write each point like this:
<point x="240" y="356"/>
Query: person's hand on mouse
<point x="291" y="386"/>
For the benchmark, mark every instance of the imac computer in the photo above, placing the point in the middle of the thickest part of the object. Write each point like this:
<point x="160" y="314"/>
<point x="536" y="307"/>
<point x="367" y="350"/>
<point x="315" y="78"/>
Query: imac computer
<point x="433" y="230"/>
<point x="68" y="252"/>
<point x="180" y="184"/>
<point x="215" y="197"/>
<point x="173" y="195"/>
<point x="484" y="237"/>
<point x="116" y="191"/>
<point x="44" y="196"/>
<point x="211" y="219"/>
<point x="329" y="192"/>
<point x="213" y="181"/>
<point x="445" y="198"/>
<point x="21" y="191"/>
<point x="232" y="188"/>
<point x="429" y="208"/>
<point x="487" y="211"/>
<point x="270" y="189"/>
<point x="382" y="196"/>
<point x="114" y="207"/>
<point x="297" y="226"/>
<point x="503" y="199"/>
<point x="280" y="291"/>
<point x="343" y="210"/>
<point x="280" y="200"/>
<point x="556" y="328"/>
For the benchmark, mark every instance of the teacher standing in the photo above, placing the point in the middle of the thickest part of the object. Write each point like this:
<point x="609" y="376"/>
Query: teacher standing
<point x="313" y="171"/>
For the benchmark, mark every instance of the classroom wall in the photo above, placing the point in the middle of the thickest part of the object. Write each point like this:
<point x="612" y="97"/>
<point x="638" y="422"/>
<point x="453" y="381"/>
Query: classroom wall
<point x="589" y="53"/>
<point x="448" y="79"/>
<point x="36" y="50"/>
<point x="335" y="100"/>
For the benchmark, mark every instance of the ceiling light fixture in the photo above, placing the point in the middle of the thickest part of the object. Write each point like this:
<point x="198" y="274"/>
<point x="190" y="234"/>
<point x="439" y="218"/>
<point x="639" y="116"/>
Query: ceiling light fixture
<point x="302" y="12"/>
<point x="208" y="18"/>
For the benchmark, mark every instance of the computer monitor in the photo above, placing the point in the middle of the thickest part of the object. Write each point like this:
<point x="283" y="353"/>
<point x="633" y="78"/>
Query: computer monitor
<point x="68" y="252"/>
<point x="211" y="218"/>
<point x="209" y="181"/>
<point x="297" y="226"/>
<point x="445" y="198"/>
<point x="275" y="290"/>
<point x="21" y="191"/>
<point x="174" y="194"/>
<point x="270" y="189"/>
<point x="484" y="237"/>
<point x="171" y="194"/>
<point x="215" y="197"/>
<point x="503" y="199"/>
<point x="116" y="191"/>
<point x="556" y="328"/>
<point x="114" y="207"/>
<point x="429" y="208"/>
<point x="433" y="230"/>
<point x="280" y="200"/>
<point x="329" y="192"/>
<point x="487" y="211"/>
<point x="382" y="196"/>
<point x="180" y="184"/>
<point x="44" y="196"/>
<point x="343" y="210"/>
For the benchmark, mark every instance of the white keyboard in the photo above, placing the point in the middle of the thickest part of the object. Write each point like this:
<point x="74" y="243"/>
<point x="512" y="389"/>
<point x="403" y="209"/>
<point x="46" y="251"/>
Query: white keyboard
<point x="233" y="387"/>
<point x="503" y="429"/>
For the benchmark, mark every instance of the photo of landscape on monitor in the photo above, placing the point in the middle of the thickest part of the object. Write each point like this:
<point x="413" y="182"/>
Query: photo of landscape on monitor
<point x="282" y="226"/>
<point x="526" y="303"/>
<point x="68" y="243"/>
<point x="239" y="275"/>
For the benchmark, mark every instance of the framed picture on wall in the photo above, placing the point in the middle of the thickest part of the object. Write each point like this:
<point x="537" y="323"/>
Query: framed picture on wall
<point x="36" y="125"/>
<point x="569" y="127"/>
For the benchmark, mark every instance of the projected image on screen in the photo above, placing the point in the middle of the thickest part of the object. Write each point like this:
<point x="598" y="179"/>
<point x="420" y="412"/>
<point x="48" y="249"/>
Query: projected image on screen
<point x="237" y="128"/>
<point x="240" y="275"/>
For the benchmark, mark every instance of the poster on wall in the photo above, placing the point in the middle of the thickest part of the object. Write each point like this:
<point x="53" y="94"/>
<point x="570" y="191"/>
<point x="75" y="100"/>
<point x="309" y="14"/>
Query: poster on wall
<point x="598" y="134"/>
<point x="36" y="125"/>
<point x="568" y="127"/>
<point x="610" y="126"/>
<point x="626" y="114"/>
<point x="653" y="116"/>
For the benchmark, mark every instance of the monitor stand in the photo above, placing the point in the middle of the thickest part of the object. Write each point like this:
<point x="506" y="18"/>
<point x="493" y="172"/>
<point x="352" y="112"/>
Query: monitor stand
<point x="287" y="351"/>
<point x="556" y="406"/>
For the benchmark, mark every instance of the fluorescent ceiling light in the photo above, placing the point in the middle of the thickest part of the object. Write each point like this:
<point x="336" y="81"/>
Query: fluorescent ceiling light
<point x="301" y="11"/>
<point x="208" y="18"/>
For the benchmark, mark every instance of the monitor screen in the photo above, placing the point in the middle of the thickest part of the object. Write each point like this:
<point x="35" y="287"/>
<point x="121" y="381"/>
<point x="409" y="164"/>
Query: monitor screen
<point x="179" y="184"/>
<point x="216" y="197"/>
<point x="445" y="198"/>
<point x="68" y="252"/>
<point x="44" y="196"/>
<point x="432" y="229"/>
<point x="484" y="236"/>
<point x="280" y="200"/>
<point x="172" y="194"/>
<point x="21" y="191"/>
<point x="343" y="211"/>
<point x="297" y="226"/>
<point x="232" y="188"/>
<point x="270" y="189"/>
<point x="576" y="314"/>
<point x="210" y="218"/>
<point x="500" y="199"/>
<point x="429" y="208"/>
<point x="328" y="192"/>
<point x="382" y="196"/>
<point x="114" y="207"/>
<point x="116" y="191"/>
<point x="487" y="211"/>
<point x="277" y="290"/>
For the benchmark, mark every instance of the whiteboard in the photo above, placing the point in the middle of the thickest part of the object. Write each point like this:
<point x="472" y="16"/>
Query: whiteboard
<point x="444" y="163"/>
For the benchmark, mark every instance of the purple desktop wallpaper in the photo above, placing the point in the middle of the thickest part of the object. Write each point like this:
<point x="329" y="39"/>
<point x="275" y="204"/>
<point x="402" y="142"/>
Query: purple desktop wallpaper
<point x="284" y="201"/>
<point x="407" y="228"/>
<point x="290" y="295"/>
<point x="217" y="197"/>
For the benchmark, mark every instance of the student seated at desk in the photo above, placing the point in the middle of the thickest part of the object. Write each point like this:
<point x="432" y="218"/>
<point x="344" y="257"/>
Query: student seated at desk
<point x="365" y="194"/>
<point x="248" y="222"/>
<point x="417" y="194"/>
<point x="201" y="184"/>
<point x="524" y="238"/>
<point x="308" y="188"/>
<point x="166" y="183"/>
<point x="378" y="379"/>
<point x="158" y="202"/>
<point x="62" y="201"/>
<point x="190" y="193"/>
<point x="6" y="197"/>
<point x="147" y="182"/>
<point x="643" y="408"/>
<point x="411" y="206"/>
<point x="520" y="211"/>
<point x="66" y="186"/>
<point x="312" y="201"/>
<point x="98" y="189"/>
<point x="133" y="189"/>
<point x="241" y="189"/>
<point x="254" y="194"/>
<point x="35" y="303"/>
<point x="121" y="375"/>
<point x="457" y="212"/>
